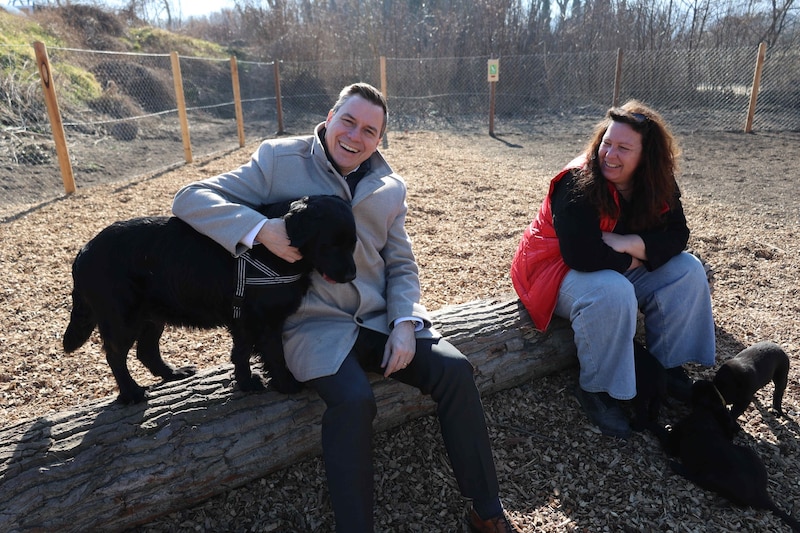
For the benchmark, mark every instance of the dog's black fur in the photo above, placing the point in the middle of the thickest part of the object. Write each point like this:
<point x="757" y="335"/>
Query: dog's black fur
<point x="136" y="276"/>
<point x="651" y="388"/>
<point x="703" y="441"/>
<point x="739" y="378"/>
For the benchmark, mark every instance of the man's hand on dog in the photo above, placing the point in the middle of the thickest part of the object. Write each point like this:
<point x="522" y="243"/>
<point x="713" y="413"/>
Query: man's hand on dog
<point x="273" y="235"/>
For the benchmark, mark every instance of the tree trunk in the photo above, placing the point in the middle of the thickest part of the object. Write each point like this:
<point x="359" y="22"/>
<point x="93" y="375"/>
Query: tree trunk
<point x="107" y="466"/>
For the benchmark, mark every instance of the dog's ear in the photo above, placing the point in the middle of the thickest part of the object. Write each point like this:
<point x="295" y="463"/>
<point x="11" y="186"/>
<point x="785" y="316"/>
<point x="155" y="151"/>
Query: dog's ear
<point x="300" y="225"/>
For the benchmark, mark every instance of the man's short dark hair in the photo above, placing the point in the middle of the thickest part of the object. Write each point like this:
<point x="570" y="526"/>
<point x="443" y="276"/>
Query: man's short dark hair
<point x="368" y="93"/>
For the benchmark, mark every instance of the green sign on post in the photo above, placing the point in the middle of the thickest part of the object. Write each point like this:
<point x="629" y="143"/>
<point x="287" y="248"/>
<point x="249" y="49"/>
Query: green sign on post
<point x="494" y="70"/>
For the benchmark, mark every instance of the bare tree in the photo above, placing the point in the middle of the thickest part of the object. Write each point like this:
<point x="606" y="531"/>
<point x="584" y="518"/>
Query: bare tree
<point x="308" y="30"/>
<point x="778" y="18"/>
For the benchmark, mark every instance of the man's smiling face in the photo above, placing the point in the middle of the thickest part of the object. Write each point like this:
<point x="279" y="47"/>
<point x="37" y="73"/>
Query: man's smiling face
<point x="353" y="133"/>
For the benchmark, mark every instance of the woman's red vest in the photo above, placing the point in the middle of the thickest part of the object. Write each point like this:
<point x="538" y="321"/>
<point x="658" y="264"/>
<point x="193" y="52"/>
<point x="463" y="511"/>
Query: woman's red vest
<point x="538" y="268"/>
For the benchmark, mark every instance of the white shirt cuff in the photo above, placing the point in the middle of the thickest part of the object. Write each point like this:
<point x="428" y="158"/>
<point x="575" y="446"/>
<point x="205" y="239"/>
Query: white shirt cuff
<point x="249" y="240"/>
<point x="418" y="323"/>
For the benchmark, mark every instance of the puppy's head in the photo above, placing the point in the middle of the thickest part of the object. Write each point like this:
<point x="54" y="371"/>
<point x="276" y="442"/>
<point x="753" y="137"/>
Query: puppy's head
<point x="324" y="230"/>
<point x="706" y="395"/>
<point x="725" y="381"/>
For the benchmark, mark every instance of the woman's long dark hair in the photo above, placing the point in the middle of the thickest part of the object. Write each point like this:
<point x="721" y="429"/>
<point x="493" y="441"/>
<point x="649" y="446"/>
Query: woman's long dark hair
<point x="654" y="185"/>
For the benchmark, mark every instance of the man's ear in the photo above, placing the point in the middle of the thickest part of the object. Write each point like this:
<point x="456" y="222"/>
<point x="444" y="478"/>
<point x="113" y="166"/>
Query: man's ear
<point x="330" y="116"/>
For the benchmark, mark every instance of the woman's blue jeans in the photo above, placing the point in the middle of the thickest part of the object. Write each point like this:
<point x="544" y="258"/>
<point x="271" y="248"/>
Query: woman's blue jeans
<point x="603" y="307"/>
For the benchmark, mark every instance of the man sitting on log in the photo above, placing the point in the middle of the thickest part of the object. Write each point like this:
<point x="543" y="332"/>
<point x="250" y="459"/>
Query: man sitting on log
<point x="373" y="324"/>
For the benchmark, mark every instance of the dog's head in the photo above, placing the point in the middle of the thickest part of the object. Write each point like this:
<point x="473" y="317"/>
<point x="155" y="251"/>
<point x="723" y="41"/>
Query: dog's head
<point x="324" y="230"/>
<point x="706" y="397"/>
<point x="705" y="394"/>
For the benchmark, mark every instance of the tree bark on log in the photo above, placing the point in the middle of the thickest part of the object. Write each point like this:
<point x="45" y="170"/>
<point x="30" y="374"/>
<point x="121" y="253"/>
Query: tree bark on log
<point x="106" y="466"/>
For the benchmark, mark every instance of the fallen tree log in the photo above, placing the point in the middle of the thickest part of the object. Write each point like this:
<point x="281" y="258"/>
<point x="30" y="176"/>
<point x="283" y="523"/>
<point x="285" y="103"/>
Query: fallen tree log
<point x="106" y="466"/>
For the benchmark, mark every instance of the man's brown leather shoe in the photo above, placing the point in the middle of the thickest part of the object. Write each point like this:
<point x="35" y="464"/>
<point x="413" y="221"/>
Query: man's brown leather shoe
<point x="498" y="524"/>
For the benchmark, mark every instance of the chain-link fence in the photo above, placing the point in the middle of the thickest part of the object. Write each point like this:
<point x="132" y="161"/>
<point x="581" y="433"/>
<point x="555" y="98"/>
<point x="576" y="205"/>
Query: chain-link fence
<point x="120" y="111"/>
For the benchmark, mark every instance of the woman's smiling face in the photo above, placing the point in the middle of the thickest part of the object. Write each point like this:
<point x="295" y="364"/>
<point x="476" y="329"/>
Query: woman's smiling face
<point x="619" y="152"/>
<point x="353" y="133"/>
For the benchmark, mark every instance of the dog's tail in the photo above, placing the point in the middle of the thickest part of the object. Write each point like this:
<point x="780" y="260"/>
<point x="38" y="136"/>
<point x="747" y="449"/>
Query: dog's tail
<point x="81" y="324"/>
<point x="788" y="519"/>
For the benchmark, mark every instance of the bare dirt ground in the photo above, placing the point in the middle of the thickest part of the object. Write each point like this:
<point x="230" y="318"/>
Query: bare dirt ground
<point x="470" y="197"/>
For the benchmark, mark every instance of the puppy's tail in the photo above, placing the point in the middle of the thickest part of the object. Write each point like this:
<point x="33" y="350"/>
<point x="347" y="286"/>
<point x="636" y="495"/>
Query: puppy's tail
<point x="788" y="519"/>
<point x="81" y="324"/>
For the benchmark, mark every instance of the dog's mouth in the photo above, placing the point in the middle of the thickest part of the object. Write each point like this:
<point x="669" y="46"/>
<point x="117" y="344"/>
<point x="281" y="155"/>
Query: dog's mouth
<point x="328" y="278"/>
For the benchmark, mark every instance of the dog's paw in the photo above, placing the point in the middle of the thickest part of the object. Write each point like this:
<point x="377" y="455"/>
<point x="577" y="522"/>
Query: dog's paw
<point x="132" y="396"/>
<point x="184" y="372"/>
<point x="679" y="469"/>
<point x="285" y="384"/>
<point x="251" y="383"/>
<point x="181" y="373"/>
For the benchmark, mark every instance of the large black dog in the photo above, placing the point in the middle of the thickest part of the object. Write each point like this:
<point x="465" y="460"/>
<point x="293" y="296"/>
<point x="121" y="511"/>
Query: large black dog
<point x="739" y="378"/>
<point x="703" y="441"/>
<point x="136" y="276"/>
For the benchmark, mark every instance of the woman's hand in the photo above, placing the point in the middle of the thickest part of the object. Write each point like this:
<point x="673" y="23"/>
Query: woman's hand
<point x="635" y="263"/>
<point x="273" y="235"/>
<point x="630" y="244"/>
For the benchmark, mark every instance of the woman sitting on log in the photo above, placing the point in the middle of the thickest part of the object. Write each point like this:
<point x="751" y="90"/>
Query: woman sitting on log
<point x="608" y="242"/>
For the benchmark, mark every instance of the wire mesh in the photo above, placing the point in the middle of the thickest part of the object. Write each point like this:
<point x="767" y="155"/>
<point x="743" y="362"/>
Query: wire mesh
<point x="259" y="101"/>
<point x="310" y="88"/>
<point x="120" y="115"/>
<point x="29" y="169"/>
<point x="118" y="112"/>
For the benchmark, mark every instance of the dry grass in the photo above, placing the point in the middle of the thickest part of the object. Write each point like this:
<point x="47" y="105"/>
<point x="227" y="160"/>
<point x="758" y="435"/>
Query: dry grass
<point x="470" y="197"/>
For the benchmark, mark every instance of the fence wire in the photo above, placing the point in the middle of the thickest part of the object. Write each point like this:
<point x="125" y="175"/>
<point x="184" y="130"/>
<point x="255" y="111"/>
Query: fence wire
<point x="120" y="114"/>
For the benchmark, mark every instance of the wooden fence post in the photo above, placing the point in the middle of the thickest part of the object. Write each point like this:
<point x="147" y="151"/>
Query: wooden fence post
<point x="493" y="68"/>
<point x="617" y="79"/>
<point x="177" y="80"/>
<point x="751" y="109"/>
<point x="237" y="100"/>
<point x="54" y="113"/>
<point x="278" y="101"/>
<point x="385" y="92"/>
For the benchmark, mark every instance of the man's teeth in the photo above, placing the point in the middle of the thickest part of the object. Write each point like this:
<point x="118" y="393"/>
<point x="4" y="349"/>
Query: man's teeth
<point x="348" y="148"/>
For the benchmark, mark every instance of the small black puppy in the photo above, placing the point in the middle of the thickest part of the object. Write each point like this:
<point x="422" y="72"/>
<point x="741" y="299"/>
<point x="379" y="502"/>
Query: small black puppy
<point x="740" y="377"/>
<point x="703" y="441"/>
<point x="651" y="388"/>
<point x="136" y="276"/>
